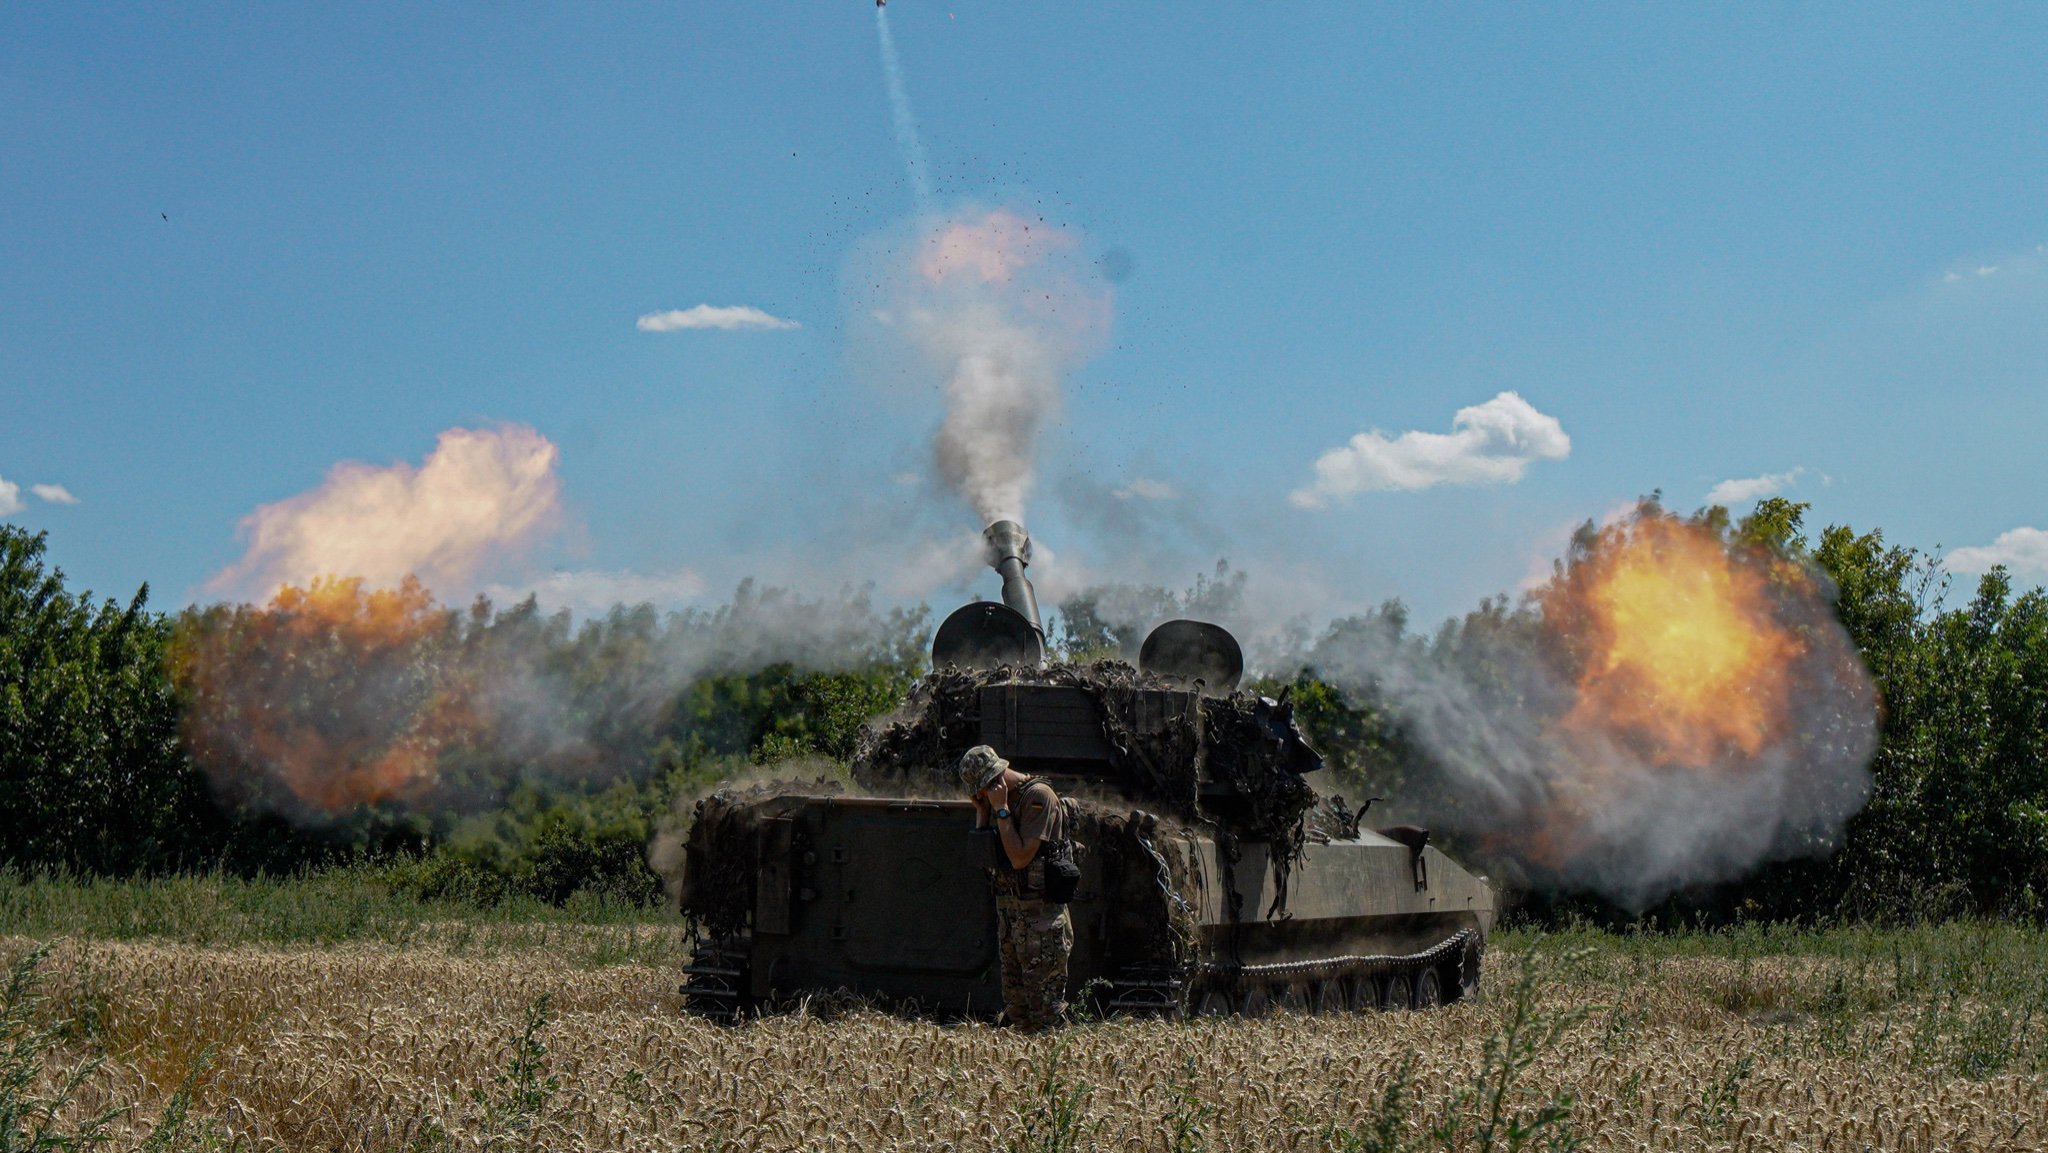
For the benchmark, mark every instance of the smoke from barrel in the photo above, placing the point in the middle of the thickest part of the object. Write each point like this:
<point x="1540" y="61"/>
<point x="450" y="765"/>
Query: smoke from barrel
<point x="1009" y="552"/>
<point x="986" y="634"/>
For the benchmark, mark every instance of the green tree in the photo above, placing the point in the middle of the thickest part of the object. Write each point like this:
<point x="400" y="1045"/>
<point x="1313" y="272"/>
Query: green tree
<point x="1111" y="620"/>
<point x="92" y="774"/>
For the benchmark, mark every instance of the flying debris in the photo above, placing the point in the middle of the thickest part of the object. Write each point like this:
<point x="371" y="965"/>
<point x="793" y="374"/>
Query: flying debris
<point x="881" y="3"/>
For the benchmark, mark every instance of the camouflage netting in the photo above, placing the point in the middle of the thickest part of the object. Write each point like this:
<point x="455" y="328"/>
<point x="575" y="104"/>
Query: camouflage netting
<point x="1149" y="883"/>
<point x="920" y="745"/>
<point x="1239" y="745"/>
<point x="1245" y="752"/>
<point x="1244" y="743"/>
<point x="719" y="855"/>
<point x="1333" y="820"/>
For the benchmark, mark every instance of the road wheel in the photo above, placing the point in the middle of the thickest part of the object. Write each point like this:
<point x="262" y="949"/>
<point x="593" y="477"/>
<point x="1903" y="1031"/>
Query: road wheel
<point x="1330" y="996"/>
<point x="1361" y="993"/>
<point x="1429" y="989"/>
<point x="1256" y="1002"/>
<point x="1470" y="961"/>
<point x="1396" y="992"/>
<point x="1215" y="1003"/>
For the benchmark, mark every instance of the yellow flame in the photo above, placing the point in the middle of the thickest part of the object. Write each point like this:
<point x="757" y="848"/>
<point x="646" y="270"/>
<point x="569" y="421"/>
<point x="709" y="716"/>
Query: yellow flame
<point x="1685" y="659"/>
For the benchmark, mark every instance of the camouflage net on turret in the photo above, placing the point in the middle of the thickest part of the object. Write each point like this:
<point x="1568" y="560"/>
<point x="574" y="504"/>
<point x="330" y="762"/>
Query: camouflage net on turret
<point x="1238" y="745"/>
<point x="919" y="747"/>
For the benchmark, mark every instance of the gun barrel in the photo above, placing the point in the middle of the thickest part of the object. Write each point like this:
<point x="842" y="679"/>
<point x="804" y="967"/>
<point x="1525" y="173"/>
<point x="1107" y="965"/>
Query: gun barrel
<point x="1009" y="553"/>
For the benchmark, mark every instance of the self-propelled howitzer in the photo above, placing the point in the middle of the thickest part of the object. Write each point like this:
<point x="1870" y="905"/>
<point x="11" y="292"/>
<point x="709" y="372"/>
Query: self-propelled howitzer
<point x="1214" y="878"/>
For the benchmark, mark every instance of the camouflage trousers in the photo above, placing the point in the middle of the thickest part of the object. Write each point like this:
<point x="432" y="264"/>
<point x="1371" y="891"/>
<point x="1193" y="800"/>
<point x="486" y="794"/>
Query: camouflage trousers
<point x="1035" y="940"/>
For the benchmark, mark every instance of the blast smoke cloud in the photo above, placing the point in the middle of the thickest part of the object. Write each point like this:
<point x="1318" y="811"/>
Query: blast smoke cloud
<point x="711" y="316"/>
<point x="2023" y="552"/>
<point x="1490" y="443"/>
<point x="997" y="307"/>
<point x="336" y="696"/>
<point x="1670" y="710"/>
<point x="593" y="591"/>
<point x="1001" y="391"/>
<point x="479" y="494"/>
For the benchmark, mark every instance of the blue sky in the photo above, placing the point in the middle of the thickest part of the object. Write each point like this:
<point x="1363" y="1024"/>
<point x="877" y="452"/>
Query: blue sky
<point x="239" y="246"/>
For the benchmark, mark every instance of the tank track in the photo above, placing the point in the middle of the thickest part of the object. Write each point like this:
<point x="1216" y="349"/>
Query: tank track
<point x="717" y="980"/>
<point x="1320" y="985"/>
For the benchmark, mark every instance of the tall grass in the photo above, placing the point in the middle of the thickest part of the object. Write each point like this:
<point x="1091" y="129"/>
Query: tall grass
<point x="312" y="1011"/>
<point x="1730" y="1042"/>
<point x="329" y="907"/>
<point x="1964" y="998"/>
<point x="1849" y="967"/>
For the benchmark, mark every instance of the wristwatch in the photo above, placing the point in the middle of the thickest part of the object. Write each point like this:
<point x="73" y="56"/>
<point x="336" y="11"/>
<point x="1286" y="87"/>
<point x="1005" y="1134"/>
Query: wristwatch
<point x="1003" y="814"/>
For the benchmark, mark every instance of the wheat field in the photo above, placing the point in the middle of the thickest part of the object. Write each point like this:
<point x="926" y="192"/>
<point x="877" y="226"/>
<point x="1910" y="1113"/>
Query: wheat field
<point x="369" y="1046"/>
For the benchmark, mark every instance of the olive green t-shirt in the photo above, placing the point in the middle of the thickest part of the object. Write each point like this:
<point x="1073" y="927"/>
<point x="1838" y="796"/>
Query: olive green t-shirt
<point x="1037" y="813"/>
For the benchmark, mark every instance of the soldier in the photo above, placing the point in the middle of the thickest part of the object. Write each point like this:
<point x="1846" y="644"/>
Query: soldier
<point x="1025" y="816"/>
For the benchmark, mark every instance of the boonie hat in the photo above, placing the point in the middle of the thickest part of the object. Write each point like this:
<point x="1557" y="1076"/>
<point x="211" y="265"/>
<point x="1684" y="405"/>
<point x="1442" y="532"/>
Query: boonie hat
<point x="979" y="768"/>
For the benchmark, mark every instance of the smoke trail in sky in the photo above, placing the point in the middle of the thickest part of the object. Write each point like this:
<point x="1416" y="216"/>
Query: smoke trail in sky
<point x="899" y="109"/>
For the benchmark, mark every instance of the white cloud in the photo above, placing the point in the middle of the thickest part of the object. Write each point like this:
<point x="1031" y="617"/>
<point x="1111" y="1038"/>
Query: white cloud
<point x="2023" y="551"/>
<point x="1146" y="489"/>
<point x="1742" y="490"/>
<point x="1491" y="443"/>
<point x="54" y="493"/>
<point x="480" y="494"/>
<point x="10" y="498"/>
<point x="593" y="591"/>
<point x="711" y="316"/>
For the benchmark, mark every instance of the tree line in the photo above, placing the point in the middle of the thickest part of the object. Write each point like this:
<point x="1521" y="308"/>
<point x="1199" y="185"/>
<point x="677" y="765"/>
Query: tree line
<point x="107" y="765"/>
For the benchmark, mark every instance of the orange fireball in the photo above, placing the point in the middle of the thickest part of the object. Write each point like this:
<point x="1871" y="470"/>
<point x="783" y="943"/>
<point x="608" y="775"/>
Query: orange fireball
<point x="341" y="697"/>
<point x="1684" y="659"/>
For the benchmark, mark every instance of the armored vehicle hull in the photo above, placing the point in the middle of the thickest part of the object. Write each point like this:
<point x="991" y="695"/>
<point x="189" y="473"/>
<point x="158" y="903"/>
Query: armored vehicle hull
<point x="1233" y="888"/>
<point x="889" y="900"/>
